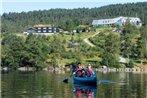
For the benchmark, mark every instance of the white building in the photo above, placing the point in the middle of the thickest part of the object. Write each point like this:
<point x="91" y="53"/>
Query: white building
<point x="117" y="21"/>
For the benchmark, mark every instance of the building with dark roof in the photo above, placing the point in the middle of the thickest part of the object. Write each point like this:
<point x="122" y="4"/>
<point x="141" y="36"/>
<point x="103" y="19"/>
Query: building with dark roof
<point x="43" y="29"/>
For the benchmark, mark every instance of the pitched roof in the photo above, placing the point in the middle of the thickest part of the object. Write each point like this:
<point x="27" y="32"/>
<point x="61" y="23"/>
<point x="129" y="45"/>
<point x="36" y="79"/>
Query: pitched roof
<point x="42" y="25"/>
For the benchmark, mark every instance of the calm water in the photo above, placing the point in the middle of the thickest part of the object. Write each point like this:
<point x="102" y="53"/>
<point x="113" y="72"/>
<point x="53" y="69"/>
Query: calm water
<point x="45" y="84"/>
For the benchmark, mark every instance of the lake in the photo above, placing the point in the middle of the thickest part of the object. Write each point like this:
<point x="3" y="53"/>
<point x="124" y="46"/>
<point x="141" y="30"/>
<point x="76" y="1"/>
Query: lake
<point x="44" y="84"/>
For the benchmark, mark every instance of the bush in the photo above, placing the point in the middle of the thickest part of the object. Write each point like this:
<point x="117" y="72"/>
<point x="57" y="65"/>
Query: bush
<point x="130" y="64"/>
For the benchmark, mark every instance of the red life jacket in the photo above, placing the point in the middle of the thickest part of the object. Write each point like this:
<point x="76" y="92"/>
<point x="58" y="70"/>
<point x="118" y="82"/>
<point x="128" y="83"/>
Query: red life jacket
<point x="79" y="72"/>
<point x="89" y="72"/>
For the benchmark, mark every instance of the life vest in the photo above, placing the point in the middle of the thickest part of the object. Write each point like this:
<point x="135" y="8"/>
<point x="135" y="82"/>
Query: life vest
<point x="89" y="72"/>
<point x="79" y="72"/>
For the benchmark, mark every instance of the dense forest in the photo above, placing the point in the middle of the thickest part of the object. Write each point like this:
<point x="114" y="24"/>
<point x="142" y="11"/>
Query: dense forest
<point x="69" y="18"/>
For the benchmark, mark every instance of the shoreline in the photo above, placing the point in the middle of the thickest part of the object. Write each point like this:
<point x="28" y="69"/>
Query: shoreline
<point x="67" y="69"/>
<point x="135" y="70"/>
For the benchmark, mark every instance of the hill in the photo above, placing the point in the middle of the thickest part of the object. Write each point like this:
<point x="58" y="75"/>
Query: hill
<point x="69" y="18"/>
<point x="60" y="49"/>
<point x="41" y="51"/>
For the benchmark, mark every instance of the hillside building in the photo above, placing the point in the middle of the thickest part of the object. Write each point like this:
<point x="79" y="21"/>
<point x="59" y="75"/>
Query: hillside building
<point x="117" y="21"/>
<point x="43" y="29"/>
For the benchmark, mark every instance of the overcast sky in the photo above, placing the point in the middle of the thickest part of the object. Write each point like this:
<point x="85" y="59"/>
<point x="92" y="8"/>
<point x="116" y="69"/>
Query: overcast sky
<point x="30" y="5"/>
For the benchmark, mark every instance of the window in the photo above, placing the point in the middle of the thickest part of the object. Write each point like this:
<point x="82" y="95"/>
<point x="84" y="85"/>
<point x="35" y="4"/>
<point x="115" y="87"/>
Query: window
<point x="39" y="31"/>
<point x="44" y="31"/>
<point x="50" y="31"/>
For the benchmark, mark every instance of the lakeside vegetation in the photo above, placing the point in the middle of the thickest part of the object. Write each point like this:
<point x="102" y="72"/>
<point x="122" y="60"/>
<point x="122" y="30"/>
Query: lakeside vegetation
<point x="41" y="51"/>
<point x="60" y="49"/>
<point x="131" y="44"/>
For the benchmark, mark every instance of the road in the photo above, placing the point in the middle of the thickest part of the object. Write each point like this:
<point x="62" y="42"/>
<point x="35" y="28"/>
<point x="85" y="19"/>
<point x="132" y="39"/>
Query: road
<point x="86" y="40"/>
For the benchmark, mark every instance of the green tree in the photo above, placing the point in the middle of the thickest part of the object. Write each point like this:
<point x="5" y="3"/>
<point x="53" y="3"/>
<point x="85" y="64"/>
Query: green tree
<point x="142" y="43"/>
<point x="36" y="50"/>
<point x="111" y="51"/>
<point x="127" y="46"/>
<point x="12" y="47"/>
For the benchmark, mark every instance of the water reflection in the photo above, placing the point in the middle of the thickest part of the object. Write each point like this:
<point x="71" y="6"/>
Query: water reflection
<point x="43" y="84"/>
<point x="87" y="91"/>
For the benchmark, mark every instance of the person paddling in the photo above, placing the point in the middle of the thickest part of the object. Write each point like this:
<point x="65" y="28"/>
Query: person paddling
<point x="89" y="70"/>
<point x="79" y="70"/>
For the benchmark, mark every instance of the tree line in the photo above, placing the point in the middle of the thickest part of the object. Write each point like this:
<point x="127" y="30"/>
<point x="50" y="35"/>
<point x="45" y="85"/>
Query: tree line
<point x="69" y="18"/>
<point x="40" y="51"/>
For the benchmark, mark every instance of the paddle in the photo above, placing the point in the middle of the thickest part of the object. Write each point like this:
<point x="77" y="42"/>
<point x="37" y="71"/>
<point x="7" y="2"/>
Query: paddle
<point x="65" y="80"/>
<point x="73" y="72"/>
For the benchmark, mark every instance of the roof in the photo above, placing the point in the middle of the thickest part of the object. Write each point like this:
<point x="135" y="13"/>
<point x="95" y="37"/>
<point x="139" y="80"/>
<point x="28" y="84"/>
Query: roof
<point x="42" y="25"/>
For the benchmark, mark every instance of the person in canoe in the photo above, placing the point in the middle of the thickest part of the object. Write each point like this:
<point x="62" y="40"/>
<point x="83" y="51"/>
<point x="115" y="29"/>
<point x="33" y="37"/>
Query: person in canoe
<point x="89" y="70"/>
<point x="80" y="71"/>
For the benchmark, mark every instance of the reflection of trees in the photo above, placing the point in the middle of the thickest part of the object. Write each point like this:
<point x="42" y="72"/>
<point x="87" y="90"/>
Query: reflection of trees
<point x="127" y="85"/>
<point x="46" y="84"/>
<point x="134" y="86"/>
<point x="34" y="85"/>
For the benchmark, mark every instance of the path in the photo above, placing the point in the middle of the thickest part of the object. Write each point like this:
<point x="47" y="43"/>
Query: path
<point x="86" y="40"/>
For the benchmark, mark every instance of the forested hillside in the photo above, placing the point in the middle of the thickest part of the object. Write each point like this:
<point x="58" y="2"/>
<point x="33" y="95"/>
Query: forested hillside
<point x="42" y="51"/>
<point x="68" y="18"/>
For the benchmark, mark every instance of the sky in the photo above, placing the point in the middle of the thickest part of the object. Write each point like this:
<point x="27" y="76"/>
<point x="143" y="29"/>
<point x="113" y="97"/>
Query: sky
<point x="31" y="5"/>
